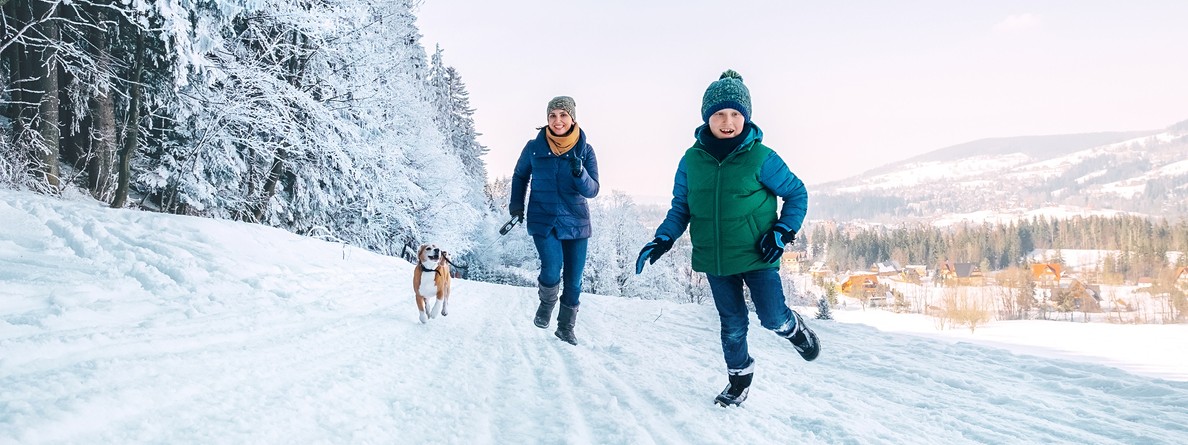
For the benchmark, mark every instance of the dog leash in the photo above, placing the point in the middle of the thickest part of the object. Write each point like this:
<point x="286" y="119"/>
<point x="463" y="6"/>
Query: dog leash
<point x="507" y="228"/>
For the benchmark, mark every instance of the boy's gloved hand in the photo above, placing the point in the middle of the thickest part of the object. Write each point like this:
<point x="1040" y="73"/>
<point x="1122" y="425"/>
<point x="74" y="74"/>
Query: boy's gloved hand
<point x="652" y="250"/>
<point x="771" y="244"/>
<point x="575" y="166"/>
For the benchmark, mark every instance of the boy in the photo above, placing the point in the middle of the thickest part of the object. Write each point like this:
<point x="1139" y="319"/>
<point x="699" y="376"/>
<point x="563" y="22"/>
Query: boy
<point x="725" y="192"/>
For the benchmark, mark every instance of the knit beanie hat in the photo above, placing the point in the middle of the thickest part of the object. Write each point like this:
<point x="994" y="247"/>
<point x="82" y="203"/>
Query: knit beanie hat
<point x="563" y="103"/>
<point x="726" y="92"/>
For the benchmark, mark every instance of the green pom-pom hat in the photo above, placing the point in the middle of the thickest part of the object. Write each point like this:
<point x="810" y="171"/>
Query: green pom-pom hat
<point x="726" y="92"/>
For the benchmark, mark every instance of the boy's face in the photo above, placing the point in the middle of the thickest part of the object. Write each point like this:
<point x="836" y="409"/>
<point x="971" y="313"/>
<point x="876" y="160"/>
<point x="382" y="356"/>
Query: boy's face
<point x="559" y="122"/>
<point x="726" y="123"/>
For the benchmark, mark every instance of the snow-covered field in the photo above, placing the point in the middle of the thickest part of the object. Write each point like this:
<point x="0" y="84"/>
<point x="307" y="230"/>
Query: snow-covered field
<point x="131" y="327"/>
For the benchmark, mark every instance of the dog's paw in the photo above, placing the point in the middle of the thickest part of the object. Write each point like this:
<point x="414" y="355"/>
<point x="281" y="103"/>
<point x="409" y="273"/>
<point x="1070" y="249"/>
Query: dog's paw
<point x="424" y="317"/>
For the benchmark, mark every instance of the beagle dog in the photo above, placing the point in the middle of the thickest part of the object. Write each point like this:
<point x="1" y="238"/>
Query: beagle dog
<point x="431" y="279"/>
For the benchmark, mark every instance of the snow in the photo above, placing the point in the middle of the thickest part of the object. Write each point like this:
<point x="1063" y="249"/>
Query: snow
<point x="1110" y="344"/>
<point x="923" y="172"/>
<point x="1085" y="259"/>
<point x="119" y="326"/>
<point x="1008" y="216"/>
<point x="1131" y="187"/>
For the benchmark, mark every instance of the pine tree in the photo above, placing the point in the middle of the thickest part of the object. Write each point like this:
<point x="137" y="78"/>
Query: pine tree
<point x="455" y="117"/>
<point x="823" y="311"/>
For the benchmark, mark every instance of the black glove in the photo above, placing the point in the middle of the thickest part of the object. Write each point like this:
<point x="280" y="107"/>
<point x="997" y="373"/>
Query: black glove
<point x="652" y="251"/>
<point x="517" y="213"/>
<point x="575" y="166"/>
<point x="771" y="245"/>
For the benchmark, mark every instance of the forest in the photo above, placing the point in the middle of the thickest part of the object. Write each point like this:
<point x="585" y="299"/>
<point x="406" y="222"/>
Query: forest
<point x="1142" y="244"/>
<point x="323" y="117"/>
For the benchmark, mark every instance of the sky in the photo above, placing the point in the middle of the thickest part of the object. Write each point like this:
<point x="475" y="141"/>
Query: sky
<point x="837" y="88"/>
<point x="125" y="327"/>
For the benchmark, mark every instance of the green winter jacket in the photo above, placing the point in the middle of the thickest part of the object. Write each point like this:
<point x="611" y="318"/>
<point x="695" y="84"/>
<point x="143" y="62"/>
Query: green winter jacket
<point x="729" y="209"/>
<point x="728" y="206"/>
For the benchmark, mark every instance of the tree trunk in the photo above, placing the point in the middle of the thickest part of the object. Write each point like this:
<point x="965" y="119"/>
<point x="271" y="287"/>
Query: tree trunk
<point x="46" y="71"/>
<point x="20" y="73"/>
<point x="12" y="56"/>
<point x="274" y="175"/>
<point x="295" y="68"/>
<point x="132" y="134"/>
<point x="102" y="122"/>
<point x="74" y="149"/>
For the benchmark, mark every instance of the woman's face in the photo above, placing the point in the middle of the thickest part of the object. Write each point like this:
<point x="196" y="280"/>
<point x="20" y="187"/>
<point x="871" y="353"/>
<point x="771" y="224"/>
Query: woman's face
<point x="726" y="123"/>
<point x="560" y="122"/>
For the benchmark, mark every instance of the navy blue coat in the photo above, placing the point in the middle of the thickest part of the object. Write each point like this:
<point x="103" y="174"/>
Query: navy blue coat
<point x="558" y="199"/>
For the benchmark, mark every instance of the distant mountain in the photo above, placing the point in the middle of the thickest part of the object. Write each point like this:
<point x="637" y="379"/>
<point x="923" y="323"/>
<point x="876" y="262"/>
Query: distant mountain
<point x="1136" y="171"/>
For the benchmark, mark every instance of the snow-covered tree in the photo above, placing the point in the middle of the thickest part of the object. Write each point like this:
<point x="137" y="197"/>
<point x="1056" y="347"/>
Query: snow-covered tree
<point x="316" y="117"/>
<point x="823" y="310"/>
<point x="455" y="117"/>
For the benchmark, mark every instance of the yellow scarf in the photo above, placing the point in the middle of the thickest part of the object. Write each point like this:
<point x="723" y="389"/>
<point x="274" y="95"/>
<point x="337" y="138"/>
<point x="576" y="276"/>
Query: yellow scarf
<point x="561" y="144"/>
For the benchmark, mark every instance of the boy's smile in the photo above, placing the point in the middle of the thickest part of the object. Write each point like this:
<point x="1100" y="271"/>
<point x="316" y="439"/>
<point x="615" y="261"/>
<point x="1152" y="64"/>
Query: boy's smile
<point x="726" y="123"/>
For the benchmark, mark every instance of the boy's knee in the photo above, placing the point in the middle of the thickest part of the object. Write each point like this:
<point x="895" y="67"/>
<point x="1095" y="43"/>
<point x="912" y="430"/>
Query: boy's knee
<point x="775" y="323"/>
<point x="733" y="329"/>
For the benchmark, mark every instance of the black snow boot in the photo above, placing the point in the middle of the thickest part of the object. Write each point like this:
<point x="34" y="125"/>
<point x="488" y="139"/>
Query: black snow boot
<point x="736" y="392"/>
<point x="565" y="321"/>
<point x="802" y="338"/>
<point x="548" y="300"/>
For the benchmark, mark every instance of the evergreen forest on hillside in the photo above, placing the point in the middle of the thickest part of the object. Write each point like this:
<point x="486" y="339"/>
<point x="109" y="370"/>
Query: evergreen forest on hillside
<point x="1142" y="245"/>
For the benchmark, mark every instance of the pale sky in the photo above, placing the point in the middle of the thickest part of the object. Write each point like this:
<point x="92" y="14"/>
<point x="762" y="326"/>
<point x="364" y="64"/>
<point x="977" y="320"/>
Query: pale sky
<point x="838" y="89"/>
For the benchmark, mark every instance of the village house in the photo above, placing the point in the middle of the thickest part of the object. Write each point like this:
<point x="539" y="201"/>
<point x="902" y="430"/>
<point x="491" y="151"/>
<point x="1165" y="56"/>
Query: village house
<point x="1081" y="297"/>
<point x="960" y="274"/>
<point x="1046" y="275"/>
<point x="914" y="273"/>
<point x="791" y="261"/>
<point x="820" y="271"/>
<point x="866" y="284"/>
<point x="886" y="268"/>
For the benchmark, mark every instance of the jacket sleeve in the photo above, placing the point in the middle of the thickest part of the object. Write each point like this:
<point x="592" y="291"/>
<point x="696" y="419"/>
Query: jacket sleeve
<point x="776" y="176"/>
<point x="587" y="183"/>
<point x="519" y="181"/>
<point x="677" y="219"/>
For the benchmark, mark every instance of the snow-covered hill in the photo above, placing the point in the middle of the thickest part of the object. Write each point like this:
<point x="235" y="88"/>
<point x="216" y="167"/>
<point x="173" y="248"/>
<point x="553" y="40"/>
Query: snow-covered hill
<point x="124" y="327"/>
<point x="1142" y="172"/>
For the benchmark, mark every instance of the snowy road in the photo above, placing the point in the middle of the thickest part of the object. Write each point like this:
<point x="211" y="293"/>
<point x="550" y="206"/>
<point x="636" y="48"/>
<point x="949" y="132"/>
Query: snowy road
<point x="201" y="331"/>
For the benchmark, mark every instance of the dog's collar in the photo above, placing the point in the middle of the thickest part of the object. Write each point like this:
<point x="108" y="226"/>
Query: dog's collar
<point x="426" y="269"/>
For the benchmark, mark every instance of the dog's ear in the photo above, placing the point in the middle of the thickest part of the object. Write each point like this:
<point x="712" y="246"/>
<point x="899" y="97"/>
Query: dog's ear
<point x="445" y="255"/>
<point x="421" y="249"/>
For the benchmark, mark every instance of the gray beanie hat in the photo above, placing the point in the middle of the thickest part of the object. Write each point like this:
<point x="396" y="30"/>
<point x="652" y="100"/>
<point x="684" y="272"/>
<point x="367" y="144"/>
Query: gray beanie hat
<point x="563" y="103"/>
<point x="726" y="92"/>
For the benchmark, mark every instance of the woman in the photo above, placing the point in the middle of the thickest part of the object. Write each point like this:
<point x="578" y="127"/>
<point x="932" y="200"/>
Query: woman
<point x="564" y="174"/>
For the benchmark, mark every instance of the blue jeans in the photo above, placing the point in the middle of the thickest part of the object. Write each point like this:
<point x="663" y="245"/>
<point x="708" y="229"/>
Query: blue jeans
<point x="768" y="295"/>
<point x="555" y="255"/>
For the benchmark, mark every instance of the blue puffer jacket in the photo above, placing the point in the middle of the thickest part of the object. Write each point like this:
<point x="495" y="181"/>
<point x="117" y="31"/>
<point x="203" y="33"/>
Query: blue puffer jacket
<point x="558" y="199"/>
